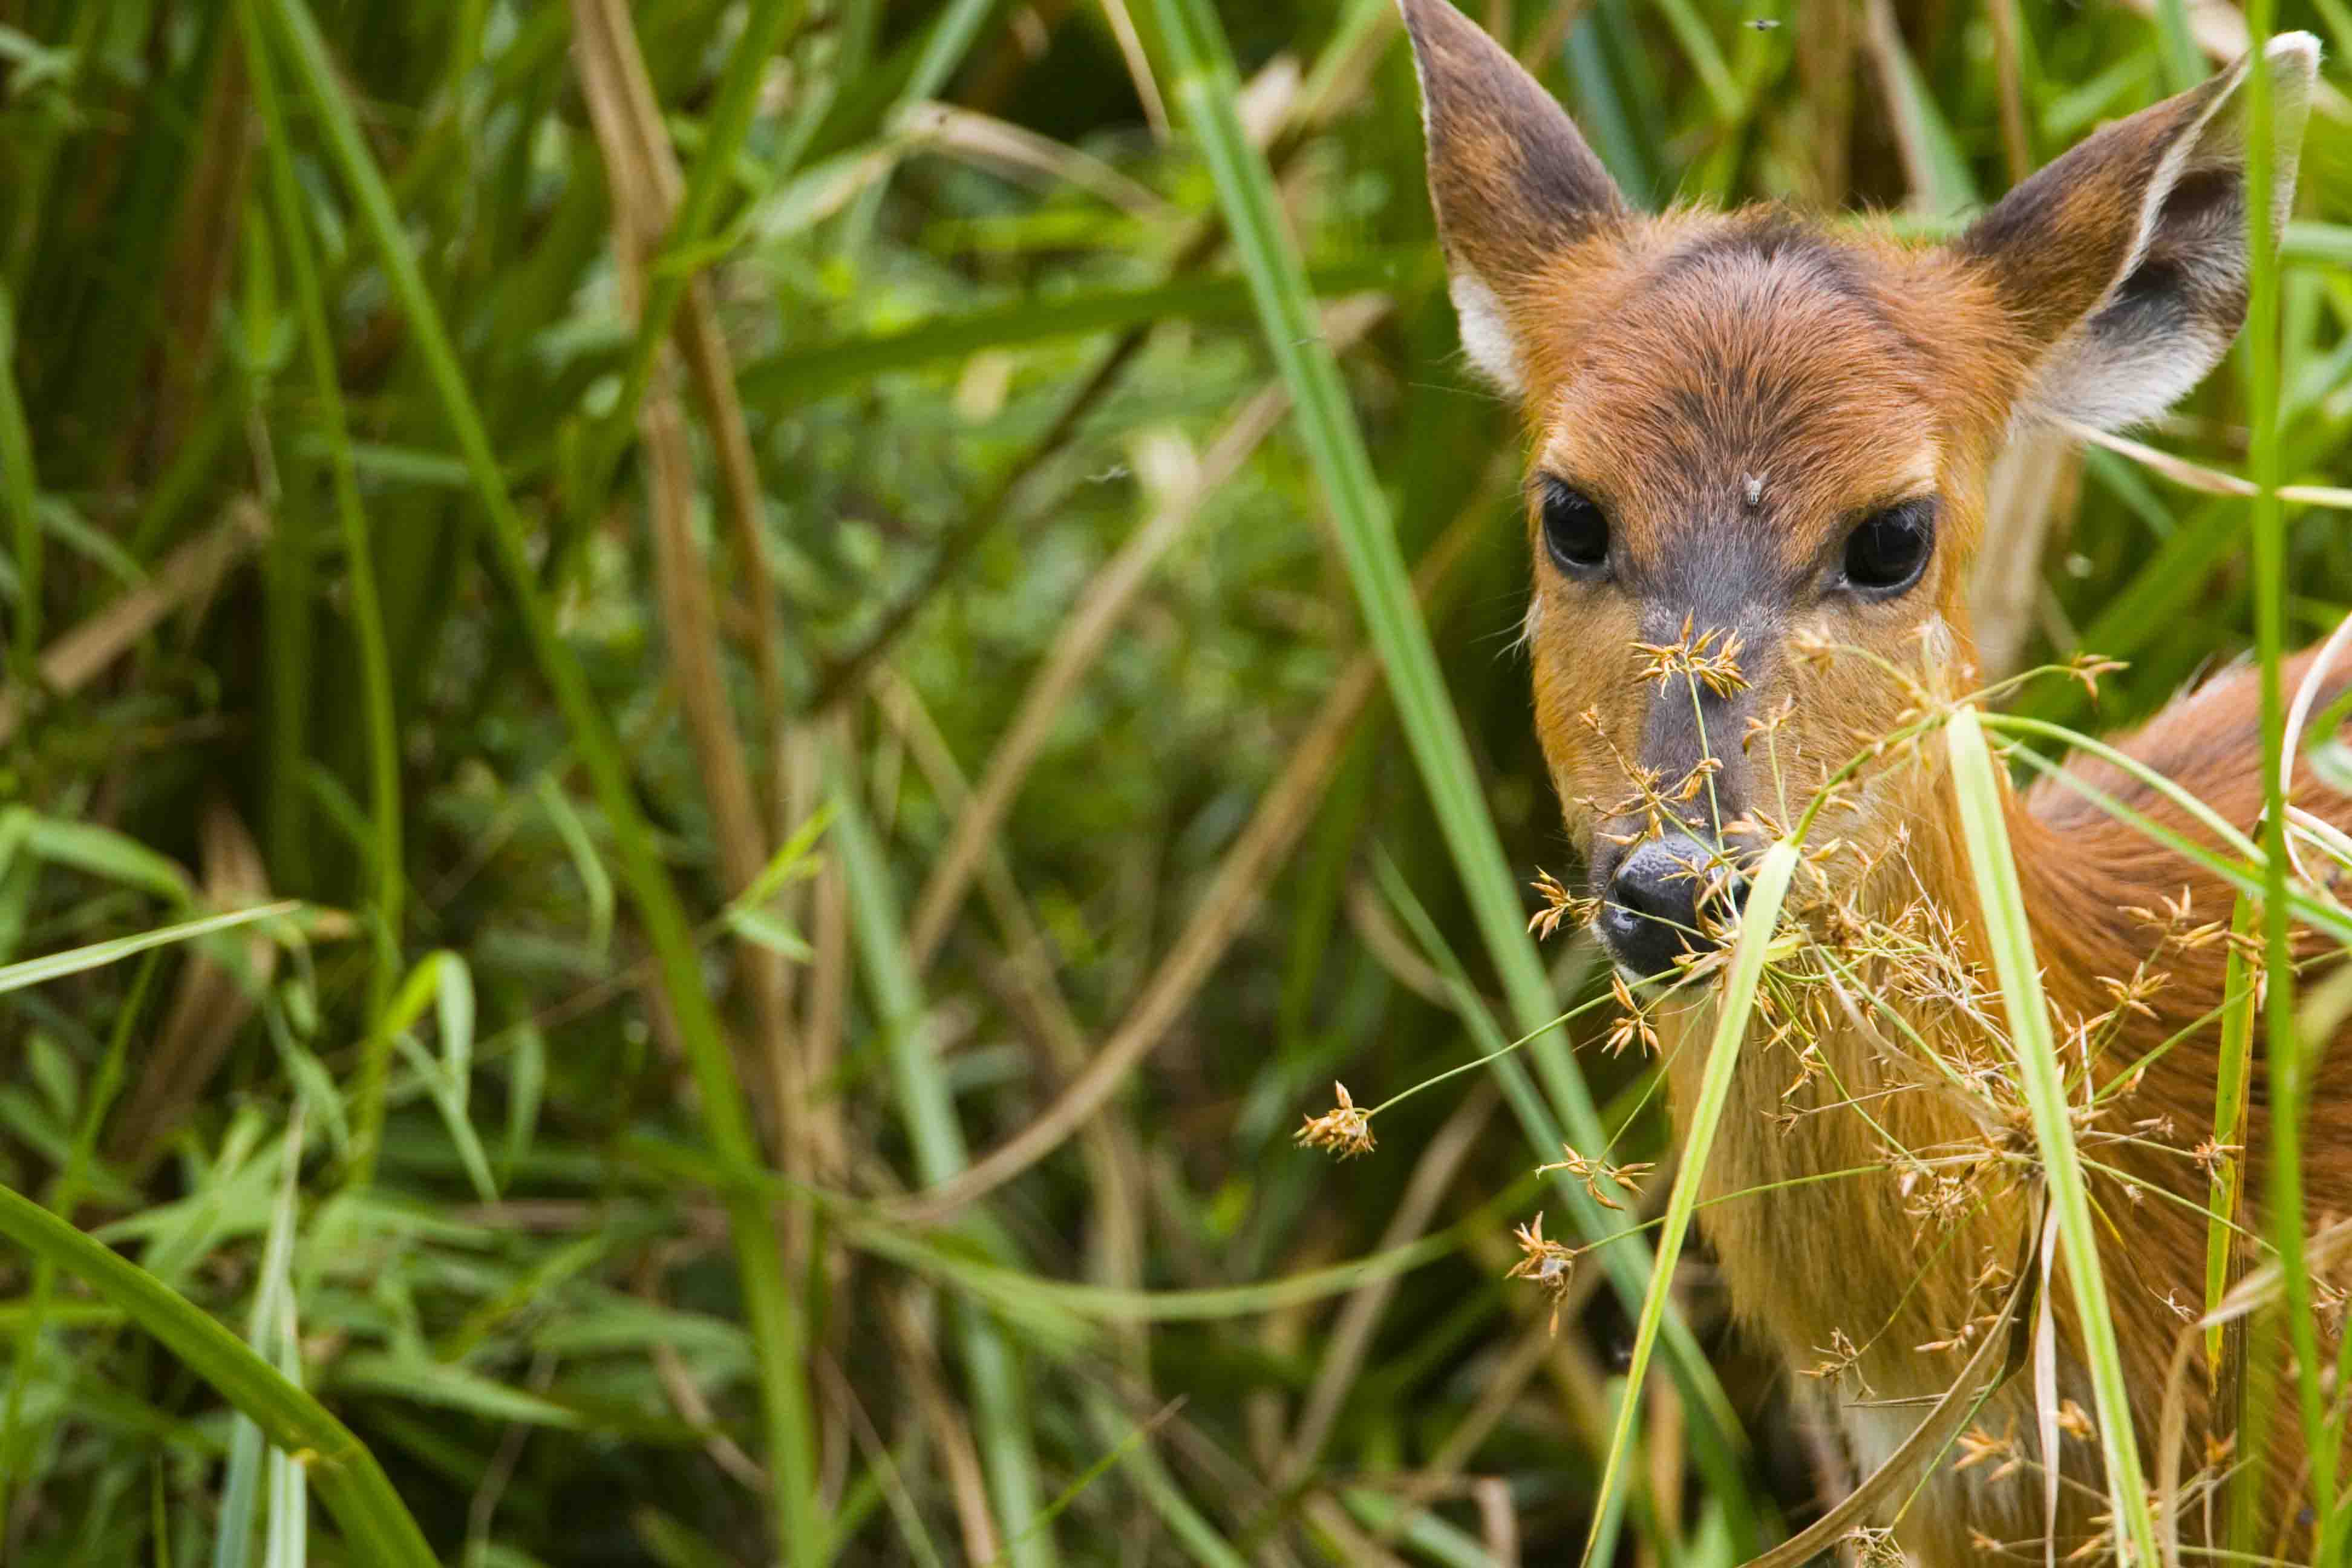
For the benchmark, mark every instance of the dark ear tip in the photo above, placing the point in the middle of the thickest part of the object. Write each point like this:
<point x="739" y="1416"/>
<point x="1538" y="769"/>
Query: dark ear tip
<point x="1427" y="21"/>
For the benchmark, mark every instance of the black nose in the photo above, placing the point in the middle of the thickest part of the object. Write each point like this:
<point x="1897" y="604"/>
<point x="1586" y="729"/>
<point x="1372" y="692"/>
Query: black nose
<point x="1652" y="913"/>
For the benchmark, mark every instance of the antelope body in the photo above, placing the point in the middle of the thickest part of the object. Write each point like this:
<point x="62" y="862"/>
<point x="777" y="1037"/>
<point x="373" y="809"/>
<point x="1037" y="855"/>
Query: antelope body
<point x="1755" y="434"/>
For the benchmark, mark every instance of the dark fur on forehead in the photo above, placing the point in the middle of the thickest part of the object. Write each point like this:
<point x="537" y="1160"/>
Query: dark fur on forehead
<point x="1763" y="235"/>
<point x="1727" y="347"/>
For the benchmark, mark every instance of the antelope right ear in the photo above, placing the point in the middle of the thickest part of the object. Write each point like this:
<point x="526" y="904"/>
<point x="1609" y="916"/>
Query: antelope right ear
<point x="2123" y="265"/>
<point x="1512" y="181"/>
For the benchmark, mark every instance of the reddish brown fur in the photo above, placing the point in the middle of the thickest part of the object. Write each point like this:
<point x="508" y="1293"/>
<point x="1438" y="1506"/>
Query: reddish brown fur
<point x="1735" y="391"/>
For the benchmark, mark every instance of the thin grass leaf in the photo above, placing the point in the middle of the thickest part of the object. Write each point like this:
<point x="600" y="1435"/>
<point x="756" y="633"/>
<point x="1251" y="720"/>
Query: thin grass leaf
<point x="102" y="851"/>
<point x="1707" y="59"/>
<point x="74" y="960"/>
<point x="2003" y="907"/>
<point x="273" y="1306"/>
<point x="791" y="861"/>
<point x="2225" y="1192"/>
<point x="769" y="931"/>
<point x="928" y="1107"/>
<point x="707" y="182"/>
<point x="1757" y="920"/>
<point x="943" y="49"/>
<point x="2184" y="62"/>
<point x="593" y="878"/>
<point x="1941" y="185"/>
<point x="526" y="1089"/>
<point x="1191" y="1530"/>
<point x="1600" y="110"/>
<point x="2289" y="1076"/>
<point x="821" y="370"/>
<point x="449" y="1098"/>
<point x="769" y="1302"/>
<point x="1202" y="82"/>
<point x="19" y="495"/>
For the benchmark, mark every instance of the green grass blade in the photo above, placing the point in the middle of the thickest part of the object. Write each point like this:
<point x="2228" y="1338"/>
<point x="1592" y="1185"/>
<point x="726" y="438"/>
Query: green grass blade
<point x="2228" y="1127"/>
<point x="1204" y="84"/>
<point x="1706" y="57"/>
<point x="1756" y="923"/>
<point x="929" y="1106"/>
<point x="358" y="567"/>
<point x="1193" y="1532"/>
<point x="272" y="1302"/>
<point x="822" y="368"/>
<point x="2289" y="1079"/>
<point x="38" y="971"/>
<point x="377" y="1527"/>
<point x="1602" y="113"/>
<point x="943" y="49"/>
<point x="729" y="121"/>
<point x="773" y="1314"/>
<point x="2184" y="62"/>
<point x="19" y="496"/>
<point x="1945" y="186"/>
<point x="2002" y="904"/>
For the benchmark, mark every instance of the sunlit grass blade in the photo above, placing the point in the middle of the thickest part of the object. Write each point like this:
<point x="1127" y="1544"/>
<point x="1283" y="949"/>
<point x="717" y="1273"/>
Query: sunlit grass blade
<point x="1203" y="83"/>
<point x="2001" y="903"/>
<point x="98" y="955"/>
<point x="2289" y="1077"/>
<point x="2229" y="1180"/>
<point x="1757" y="920"/>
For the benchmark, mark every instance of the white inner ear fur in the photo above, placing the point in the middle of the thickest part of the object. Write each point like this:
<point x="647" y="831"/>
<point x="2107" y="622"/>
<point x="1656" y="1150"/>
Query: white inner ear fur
<point x="1486" y="333"/>
<point x="2108" y="379"/>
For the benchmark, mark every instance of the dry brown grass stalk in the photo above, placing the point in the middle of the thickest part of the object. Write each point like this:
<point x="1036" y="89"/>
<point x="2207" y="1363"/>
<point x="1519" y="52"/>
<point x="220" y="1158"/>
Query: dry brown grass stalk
<point x="644" y="186"/>
<point x="2031" y="491"/>
<point x="1139" y="65"/>
<point x="1114" y="1176"/>
<point x="1368" y="917"/>
<point x="959" y="1456"/>
<point x="186" y="576"/>
<point x="1272" y="831"/>
<point x="1350" y="1339"/>
<point x="1101" y="604"/>
<point x="1826" y="37"/>
<point x="213" y="1000"/>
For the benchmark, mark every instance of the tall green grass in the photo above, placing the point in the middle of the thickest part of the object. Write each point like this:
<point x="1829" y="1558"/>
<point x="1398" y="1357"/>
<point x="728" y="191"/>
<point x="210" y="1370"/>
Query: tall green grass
<point x="370" y="979"/>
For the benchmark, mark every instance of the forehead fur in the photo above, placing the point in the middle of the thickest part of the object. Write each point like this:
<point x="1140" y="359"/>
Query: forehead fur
<point x="1710" y="350"/>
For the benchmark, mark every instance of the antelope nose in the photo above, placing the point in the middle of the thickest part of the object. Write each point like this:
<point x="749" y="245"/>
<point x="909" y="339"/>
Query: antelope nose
<point x="1652" y="913"/>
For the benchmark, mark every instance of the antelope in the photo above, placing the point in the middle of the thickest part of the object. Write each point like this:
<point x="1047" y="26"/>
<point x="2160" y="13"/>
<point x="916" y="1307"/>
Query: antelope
<point x="1759" y="438"/>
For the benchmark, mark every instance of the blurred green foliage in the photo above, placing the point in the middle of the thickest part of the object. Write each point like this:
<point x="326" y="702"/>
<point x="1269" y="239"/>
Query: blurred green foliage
<point x="985" y="332"/>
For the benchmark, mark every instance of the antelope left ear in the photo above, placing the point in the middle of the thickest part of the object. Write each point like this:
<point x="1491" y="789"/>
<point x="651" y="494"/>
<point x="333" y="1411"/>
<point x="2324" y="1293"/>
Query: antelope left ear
<point x="2122" y="264"/>
<point x="1512" y="181"/>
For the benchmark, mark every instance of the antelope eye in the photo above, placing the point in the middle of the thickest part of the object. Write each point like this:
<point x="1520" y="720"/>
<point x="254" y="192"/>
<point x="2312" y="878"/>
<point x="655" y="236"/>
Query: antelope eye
<point x="1574" y="528"/>
<point x="1888" y="550"/>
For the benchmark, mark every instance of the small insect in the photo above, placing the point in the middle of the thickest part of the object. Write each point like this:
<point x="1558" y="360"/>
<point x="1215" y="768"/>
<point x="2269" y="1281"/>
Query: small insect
<point x="1763" y="24"/>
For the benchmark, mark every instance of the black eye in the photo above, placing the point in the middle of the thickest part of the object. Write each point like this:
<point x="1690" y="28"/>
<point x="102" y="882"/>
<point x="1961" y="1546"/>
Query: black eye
<point x="1887" y="550"/>
<point x="1575" y="532"/>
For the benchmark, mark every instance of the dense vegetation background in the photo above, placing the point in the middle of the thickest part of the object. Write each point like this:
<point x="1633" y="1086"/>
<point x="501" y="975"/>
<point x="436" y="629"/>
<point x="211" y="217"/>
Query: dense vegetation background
<point x="750" y="566"/>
